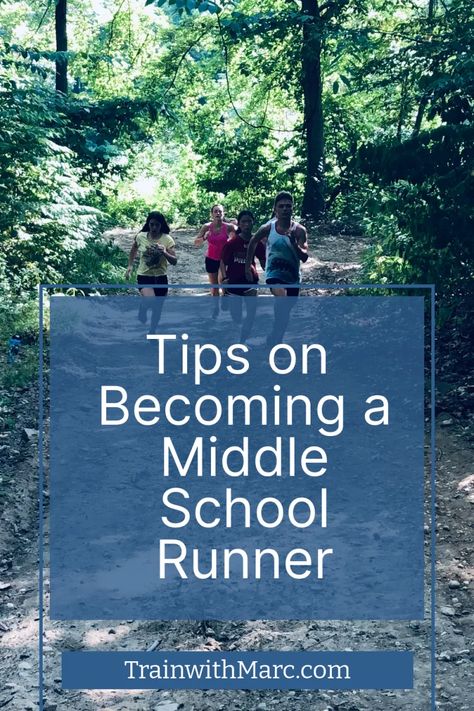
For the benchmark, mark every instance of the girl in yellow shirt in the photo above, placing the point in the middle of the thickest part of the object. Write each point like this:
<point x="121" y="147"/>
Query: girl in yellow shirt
<point x="155" y="249"/>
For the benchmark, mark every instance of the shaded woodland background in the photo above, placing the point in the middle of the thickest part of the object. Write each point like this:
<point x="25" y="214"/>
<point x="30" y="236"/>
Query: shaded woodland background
<point x="363" y="108"/>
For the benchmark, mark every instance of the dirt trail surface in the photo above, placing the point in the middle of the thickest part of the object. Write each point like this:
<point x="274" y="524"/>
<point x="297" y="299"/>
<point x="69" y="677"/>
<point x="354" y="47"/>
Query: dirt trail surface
<point x="338" y="258"/>
<point x="334" y="258"/>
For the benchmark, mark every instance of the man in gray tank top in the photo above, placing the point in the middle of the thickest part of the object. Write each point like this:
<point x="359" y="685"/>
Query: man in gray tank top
<point x="286" y="247"/>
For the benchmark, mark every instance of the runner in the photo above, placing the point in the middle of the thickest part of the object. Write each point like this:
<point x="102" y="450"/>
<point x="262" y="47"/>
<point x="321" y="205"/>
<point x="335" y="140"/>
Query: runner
<point x="216" y="233"/>
<point x="286" y="247"/>
<point x="233" y="261"/>
<point x="156" y="249"/>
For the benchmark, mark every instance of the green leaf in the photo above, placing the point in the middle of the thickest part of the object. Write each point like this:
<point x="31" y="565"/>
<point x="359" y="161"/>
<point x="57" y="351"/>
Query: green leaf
<point x="335" y="87"/>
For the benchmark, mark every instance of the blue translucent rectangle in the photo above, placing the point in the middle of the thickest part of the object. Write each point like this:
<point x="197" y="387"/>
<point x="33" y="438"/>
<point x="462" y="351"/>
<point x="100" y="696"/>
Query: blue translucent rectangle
<point x="237" y="670"/>
<point x="107" y="482"/>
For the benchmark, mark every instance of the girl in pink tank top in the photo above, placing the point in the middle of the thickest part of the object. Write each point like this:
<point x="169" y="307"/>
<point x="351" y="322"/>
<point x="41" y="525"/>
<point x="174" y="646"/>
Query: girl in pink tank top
<point x="216" y="233"/>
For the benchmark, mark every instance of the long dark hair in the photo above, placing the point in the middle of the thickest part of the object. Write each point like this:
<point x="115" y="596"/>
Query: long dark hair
<point x="155" y="215"/>
<point x="244" y="213"/>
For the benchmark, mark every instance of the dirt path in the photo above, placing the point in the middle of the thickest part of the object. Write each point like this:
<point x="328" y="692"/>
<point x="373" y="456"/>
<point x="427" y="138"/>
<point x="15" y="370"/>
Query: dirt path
<point x="338" y="259"/>
<point x="334" y="258"/>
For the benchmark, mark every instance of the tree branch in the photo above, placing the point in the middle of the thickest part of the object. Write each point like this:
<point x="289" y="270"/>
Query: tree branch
<point x="229" y="93"/>
<point x="181" y="60"/>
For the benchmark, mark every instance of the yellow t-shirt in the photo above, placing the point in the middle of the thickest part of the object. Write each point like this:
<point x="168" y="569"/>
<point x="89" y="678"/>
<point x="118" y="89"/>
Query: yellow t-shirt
<point x="143" y="243"/>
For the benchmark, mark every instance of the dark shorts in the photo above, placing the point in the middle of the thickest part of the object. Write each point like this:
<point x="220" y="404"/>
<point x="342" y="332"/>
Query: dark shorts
<point x="289" y="292"/>
<point x="212" y="265"/>
<point x="148" y="280"/>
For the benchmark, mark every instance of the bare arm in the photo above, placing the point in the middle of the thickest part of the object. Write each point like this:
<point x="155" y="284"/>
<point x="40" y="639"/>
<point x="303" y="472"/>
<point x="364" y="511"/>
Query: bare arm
<point x="170" y="255"/>
<point x="262" y="258"/>
<point x="231" y="230"/>
<point x="201" y="237"/>
<point x="224" y="261"/>
<point x="131" y="259"/>
<point x="222" y="272"/>
<point x="300" y="243"/>
<point x="259" y="235"/>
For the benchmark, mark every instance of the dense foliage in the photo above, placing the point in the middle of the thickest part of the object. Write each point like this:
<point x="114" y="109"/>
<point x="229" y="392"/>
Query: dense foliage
<point x="177" y="103"/>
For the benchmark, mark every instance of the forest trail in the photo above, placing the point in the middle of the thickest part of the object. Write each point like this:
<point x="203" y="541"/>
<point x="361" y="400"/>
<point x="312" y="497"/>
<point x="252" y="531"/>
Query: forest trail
<point x="337" y="258"/>
<point x="334" y="257"/>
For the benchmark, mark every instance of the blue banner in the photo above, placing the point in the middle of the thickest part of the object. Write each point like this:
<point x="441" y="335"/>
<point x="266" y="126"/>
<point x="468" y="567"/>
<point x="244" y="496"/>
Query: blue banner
<point x="265" y="463"/>
<point x="237" y="670"/>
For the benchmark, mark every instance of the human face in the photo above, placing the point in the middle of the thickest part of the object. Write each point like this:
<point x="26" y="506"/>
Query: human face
<point x="217" y="213"/>
<point x="245" y="225"/>
<point x="284" y="209"/>
<point x="155" y="227"/>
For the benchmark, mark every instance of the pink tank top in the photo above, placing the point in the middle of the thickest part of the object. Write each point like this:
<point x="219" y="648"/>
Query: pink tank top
<point x="216" y="242"/>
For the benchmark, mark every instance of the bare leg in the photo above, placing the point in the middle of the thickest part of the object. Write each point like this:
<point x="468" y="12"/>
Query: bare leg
<point x="142" y="311"/>
<point x="213" y="280"/>
<point x="156" y="308"/>
<point x="277" y="291"/>
<point x="214" y="291"/>
<point x="235" y="304"/>
<point x="250" y="309"/>
<point x="282" y="308"/>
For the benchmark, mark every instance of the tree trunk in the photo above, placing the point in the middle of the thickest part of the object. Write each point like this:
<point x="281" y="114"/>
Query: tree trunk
<point x="419" y="116"/>
<point x="402" y="110"/>
<point x="61" y="45"/>
<point x="424" y="99"/>
<point x="313" y="200"/>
